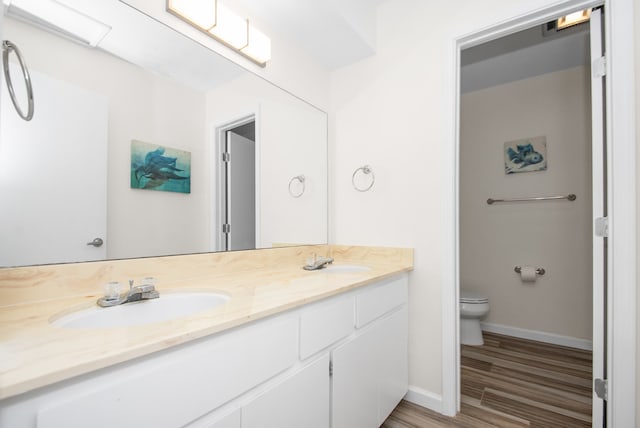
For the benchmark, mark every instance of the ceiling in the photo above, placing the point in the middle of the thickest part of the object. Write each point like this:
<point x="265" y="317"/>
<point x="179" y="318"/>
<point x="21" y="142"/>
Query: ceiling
<point x="522" y="55"/>
<point x="337" y="33"/>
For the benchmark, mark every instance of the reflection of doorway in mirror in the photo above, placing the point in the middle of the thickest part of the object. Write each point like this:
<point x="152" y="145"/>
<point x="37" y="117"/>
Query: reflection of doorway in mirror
<point x="236" y="197"/>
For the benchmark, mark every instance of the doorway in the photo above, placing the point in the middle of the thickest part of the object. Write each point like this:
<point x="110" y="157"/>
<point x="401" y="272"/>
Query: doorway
<point x="514" y="57"/>
<point x="621" y="275"/>
<point x="235" y="160"/>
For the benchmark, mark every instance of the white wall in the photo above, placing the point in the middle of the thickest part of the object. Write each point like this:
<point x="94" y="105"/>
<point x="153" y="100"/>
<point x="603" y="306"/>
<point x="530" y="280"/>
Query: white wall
<point x="395" y="111"/>
<point x="144" y="107"/>
<point x="555" y="235"/>
<point x="292" y="140"/>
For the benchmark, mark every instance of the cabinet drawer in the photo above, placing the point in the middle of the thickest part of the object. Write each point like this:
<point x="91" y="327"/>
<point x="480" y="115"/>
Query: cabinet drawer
<point x="381" y="299"/>
<point x="325" y="325"/>
<point x="179" y="386"/>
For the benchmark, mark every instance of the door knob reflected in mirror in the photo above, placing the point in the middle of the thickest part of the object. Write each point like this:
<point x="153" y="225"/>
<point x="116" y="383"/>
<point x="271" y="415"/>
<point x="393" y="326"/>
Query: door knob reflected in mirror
<point x="97" y="242"/>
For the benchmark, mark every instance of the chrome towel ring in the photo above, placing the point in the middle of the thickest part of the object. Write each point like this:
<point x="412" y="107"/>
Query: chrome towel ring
<point x="7" y="47"/>
<point x="365" y="170"/>
<point x="301" y="179"/>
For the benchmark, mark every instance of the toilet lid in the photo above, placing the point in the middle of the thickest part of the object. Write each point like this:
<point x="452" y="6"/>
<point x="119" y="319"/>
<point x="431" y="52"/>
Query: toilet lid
<point x="472" y="297"/>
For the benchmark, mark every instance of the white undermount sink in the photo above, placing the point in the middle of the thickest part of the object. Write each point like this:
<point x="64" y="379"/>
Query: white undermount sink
<point x="345" y="268"/>
<point x="168" y="306"/>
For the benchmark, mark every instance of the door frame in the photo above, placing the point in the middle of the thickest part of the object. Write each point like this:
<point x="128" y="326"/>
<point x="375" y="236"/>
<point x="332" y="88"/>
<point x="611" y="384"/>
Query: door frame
<point x="621" y="179"/>
<point x="218" y="136"/>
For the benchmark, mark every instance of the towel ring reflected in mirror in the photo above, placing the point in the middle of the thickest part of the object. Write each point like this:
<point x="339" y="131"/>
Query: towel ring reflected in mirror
<point x="301" y="179"/>
<point x="7" y="48"/>
<point x="366" y="169"/>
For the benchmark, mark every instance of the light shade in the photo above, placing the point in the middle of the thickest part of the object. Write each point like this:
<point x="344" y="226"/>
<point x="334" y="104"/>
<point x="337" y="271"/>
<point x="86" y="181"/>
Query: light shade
<point x="199" y="13"/>
<point x="51" y="15"/>
<point x="259" y="46"/>
<point x="221" y="23"/>
<point x="574" y="18"/>
<point x="231" y="28"/>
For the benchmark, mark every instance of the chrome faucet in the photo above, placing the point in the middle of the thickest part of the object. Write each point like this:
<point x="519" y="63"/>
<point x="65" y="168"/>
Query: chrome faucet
<point x="113" y="297"/>
<point x="317" y="263"/>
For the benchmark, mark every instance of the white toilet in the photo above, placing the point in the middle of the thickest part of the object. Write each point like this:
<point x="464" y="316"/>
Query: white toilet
<point x="473" y="306"/>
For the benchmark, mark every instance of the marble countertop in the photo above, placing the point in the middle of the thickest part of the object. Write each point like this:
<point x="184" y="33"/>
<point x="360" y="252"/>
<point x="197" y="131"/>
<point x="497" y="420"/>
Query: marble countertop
<point x="34" y="353"/>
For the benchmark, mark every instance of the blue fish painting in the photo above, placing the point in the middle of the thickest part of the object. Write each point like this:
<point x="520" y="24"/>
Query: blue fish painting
<point x="526" y="155"/>
<point x="160" y="168"/>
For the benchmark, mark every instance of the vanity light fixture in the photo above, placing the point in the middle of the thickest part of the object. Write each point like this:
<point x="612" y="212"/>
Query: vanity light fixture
<point x="259" y="46"/>
<point x="61" y="19"/>
<point x="572" y="19"/>
<point x="222" y="24"/>
<point x="201" y="14"/>
<point x="229" y="27"/>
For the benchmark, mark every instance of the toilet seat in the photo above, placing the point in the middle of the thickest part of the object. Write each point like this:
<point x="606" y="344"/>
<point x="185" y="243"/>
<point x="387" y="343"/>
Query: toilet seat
<point x="472" y="297"/>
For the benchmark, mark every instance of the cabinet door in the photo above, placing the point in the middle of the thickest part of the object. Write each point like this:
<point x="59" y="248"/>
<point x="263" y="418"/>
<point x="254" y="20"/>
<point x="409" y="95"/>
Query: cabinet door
<point x="301" y="400"/>
<point x="354" y="383"/>
<point x="394" y="364"/>
<point x="370" y="373"/>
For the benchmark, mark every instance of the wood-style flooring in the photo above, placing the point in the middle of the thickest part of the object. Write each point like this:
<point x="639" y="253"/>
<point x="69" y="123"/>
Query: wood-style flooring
<point x="511" y="382"/>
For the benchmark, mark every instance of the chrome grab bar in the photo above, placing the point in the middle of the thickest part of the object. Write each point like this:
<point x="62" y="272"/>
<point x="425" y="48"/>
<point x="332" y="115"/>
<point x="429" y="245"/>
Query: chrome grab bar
<point x="539" y="271"/>
<point x="570" y="197"/>
<point x="7" y="48"/>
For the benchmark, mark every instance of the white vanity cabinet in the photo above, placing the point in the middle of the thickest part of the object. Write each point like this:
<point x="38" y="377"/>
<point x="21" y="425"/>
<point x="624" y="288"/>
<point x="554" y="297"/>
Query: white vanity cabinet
<point x="274" y="372"/>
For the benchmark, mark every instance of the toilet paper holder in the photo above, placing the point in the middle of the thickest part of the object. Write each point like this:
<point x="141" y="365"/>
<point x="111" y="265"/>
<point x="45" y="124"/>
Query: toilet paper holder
<point x="539" y="271"/>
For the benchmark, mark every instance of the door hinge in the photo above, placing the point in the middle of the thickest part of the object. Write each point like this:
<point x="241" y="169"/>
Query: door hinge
<point x="601" y="227"/>
<point x="225" y="157"/>
<point x="330" y="368"/>
<point x="601" y="388"/>
<point x="226" y="228"/>
<point x="599" y="67"/>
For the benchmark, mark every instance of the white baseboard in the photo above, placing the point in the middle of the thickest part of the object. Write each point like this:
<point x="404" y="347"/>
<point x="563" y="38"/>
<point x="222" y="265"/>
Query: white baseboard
<point x="539" y="336"/>
<point x="424" y="398"/>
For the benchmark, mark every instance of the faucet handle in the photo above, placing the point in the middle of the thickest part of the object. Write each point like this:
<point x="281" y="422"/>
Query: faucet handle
<point x="145" y="288"/>
<point x="311" y="260"/>
<point x="111" y="290"/>
<point x="149" y="280"/>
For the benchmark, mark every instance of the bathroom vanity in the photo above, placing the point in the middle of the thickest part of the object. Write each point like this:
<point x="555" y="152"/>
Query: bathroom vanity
<point x="289" y="348"/>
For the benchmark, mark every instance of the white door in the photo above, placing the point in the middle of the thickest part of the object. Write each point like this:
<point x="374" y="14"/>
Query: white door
<point x="53" y="172"/>
<point x="599" y="212"/>
<point x="240" y="193"/>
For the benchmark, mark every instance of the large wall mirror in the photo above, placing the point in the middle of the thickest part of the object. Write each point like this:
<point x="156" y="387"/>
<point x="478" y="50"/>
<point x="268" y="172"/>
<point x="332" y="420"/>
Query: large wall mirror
<point x="119" y="129"/>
